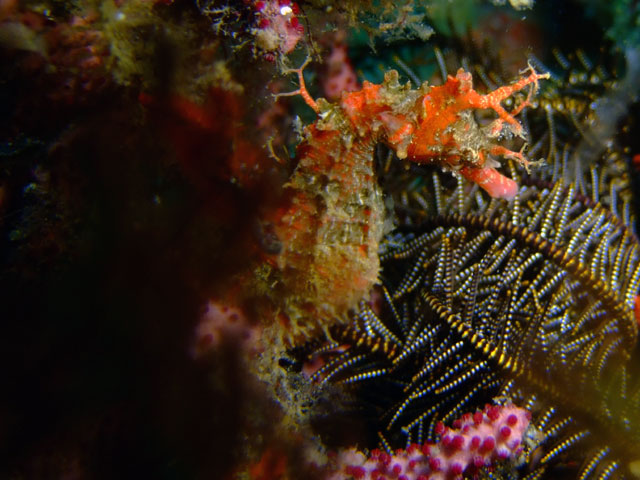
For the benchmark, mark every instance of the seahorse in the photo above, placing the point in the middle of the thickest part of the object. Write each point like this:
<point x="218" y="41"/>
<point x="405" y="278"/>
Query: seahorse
<point x="334" y="215"/>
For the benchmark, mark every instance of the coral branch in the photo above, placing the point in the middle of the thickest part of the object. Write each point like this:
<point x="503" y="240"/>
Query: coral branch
<point x="302" y="89"/>
<point x="477" y="441"/>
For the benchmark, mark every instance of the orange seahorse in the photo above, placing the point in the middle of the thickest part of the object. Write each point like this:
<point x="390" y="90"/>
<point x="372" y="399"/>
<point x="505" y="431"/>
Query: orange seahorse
<point x="334" y="218"/>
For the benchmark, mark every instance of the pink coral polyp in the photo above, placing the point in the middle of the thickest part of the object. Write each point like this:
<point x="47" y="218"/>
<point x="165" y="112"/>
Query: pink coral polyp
<point x="279" y="29"/>
<point x="477" y="441"/>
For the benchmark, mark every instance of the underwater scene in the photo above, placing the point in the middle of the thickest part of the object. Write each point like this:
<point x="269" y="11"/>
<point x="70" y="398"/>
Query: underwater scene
<point x="281" y="240"/>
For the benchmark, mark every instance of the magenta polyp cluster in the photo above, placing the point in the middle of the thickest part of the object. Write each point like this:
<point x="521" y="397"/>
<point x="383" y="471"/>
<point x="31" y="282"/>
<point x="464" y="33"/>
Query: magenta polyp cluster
<point x="278" y="27"/>
<point x="475" y="441"/>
